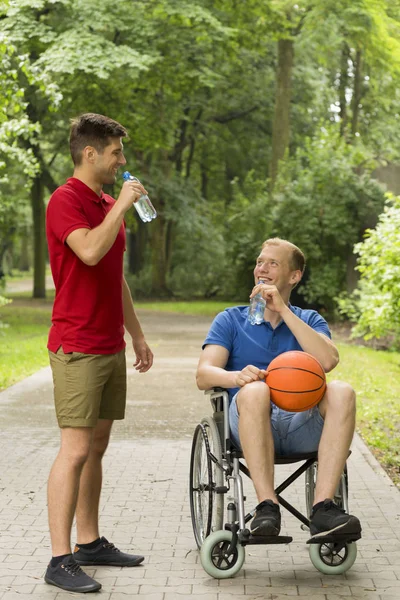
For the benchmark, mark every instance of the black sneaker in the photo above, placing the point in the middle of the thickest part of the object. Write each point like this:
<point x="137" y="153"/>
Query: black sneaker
<point x="105" y="553"/>
<point x="329" y="519"/>
<point x="68" y="576"/>
<point x="267" y="520"/>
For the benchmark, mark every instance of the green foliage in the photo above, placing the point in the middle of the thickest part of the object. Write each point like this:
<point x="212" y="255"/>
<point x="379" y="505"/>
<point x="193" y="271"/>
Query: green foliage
<point x="323" y="201"/>
<point x="248" y="224"/>
<point x="194" y="83"/>
<point x="198" y="264"/>
<point x="376" y="302"/>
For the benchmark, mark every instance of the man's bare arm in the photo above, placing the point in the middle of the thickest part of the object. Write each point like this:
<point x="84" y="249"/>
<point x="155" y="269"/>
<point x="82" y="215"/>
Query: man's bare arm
<point x="211" y="370"/>
<point x="144" y="356"/>
<point x="316" y="344"/>
<point x="131" y="322"/>
<point x="90" y="245"/>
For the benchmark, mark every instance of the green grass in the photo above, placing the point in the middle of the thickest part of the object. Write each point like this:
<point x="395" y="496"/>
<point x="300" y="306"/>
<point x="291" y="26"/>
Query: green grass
<point x="23" y="340"/>
<point x="28" y="296"/>
<point x="18" y="275"/>
<point x="199" y="308"/>
<point x="374" y="374"/>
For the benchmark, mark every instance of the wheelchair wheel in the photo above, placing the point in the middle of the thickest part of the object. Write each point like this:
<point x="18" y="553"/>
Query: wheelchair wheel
<point x="333" y="558"/>
<point x="214" y="558"/>
<point x="206" y="506"/>
<point x="341" y="495"/>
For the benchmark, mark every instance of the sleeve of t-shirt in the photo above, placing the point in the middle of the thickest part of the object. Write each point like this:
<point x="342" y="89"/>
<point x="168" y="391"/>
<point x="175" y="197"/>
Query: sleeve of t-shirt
<point x="221" y="332"/>
<point x="319" y="324"/>
<point x="65" y="214"/>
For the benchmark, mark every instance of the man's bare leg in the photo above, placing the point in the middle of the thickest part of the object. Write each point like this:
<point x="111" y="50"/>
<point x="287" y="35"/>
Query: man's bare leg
<point x="338" y="409"/>
<point x="63" y="485"/>
<point x="87" y="508"/>
<point x="256" y="439"/>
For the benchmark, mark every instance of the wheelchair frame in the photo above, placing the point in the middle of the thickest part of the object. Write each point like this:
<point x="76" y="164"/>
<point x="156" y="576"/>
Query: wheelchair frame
<point x="222" y="544"/>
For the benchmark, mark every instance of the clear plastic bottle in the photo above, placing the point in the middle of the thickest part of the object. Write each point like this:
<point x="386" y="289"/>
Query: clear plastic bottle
<point x="144" y="207"/>
<point x="256" y="309"/>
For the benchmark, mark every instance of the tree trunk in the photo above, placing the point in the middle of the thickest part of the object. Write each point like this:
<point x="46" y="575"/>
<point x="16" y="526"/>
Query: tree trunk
<point x="169" y="243"/>
<point x="39" y="237"/>
<point x="42" y="180"/>
<point x="357" y="92"/>
<point x="24" y="259"/>
<point x="136" y="245"/>
<point x="343" y="84"/>
<point x="281" y="123"/>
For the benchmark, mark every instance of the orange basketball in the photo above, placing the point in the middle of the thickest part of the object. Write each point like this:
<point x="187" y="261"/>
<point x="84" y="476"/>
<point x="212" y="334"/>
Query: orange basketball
<point x="296" y="381"/>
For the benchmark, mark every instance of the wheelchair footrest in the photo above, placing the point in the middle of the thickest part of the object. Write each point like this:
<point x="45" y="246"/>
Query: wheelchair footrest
<point x="266" y="539"/>
<point x="335" y="539"/>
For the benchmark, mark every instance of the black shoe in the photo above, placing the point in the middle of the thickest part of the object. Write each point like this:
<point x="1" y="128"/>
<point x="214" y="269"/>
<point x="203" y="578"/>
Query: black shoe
<point x="267" y="520"/>
<point x="105" y="553"/>
<point x="68" y="576"/>
<point x="329" y="519"/>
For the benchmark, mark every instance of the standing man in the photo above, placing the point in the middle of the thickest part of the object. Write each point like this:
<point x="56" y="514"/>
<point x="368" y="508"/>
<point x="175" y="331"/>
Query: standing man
<point x="86" y="239"/>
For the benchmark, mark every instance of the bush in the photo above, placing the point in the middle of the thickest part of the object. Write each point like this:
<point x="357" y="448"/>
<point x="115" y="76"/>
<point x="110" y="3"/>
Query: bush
<point x="323" y="203"/>
<point x="376" y="302"/>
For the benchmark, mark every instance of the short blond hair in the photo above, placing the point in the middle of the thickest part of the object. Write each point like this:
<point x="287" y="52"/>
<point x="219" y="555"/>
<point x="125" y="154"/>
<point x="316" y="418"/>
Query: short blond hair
<point x="297" y="259"/>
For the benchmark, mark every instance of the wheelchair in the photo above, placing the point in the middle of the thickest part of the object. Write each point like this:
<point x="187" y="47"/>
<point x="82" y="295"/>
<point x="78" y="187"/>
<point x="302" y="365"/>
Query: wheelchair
<point x="216" y="466"/>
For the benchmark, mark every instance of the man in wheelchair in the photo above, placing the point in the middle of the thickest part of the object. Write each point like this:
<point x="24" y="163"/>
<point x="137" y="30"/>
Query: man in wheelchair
<point x="236" y="355"/>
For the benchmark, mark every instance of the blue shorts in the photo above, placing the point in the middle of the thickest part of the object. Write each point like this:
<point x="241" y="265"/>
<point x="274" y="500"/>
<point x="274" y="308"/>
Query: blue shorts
<point x="293" y="432"/>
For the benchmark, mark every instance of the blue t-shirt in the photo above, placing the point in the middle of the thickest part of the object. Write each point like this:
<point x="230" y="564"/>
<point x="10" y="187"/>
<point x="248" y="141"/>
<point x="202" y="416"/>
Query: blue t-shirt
<point x="257" y="345"/>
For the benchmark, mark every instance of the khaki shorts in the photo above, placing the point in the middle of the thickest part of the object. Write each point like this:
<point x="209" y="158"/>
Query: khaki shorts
<point x="88" y="387"/>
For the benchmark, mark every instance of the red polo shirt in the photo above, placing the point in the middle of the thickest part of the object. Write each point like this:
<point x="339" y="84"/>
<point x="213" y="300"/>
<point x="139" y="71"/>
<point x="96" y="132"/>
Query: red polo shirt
<point x="87" y="312"/>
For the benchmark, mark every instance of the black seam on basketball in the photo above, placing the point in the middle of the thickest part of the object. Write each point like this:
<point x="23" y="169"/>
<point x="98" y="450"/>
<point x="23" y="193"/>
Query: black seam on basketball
<point x="301" y="392"/>
<point x="296" y="369"/>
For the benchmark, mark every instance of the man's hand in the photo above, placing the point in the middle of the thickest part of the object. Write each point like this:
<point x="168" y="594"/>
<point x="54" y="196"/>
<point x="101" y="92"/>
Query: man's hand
<point x="249" y="374"/>
<point x="271" y="295"/>
<point x="144" y="356"/>
<point x="130" y="193"/>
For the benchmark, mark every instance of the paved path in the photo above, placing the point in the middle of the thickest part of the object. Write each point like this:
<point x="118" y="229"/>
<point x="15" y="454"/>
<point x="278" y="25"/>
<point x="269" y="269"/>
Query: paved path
<point x="145" y="501"/>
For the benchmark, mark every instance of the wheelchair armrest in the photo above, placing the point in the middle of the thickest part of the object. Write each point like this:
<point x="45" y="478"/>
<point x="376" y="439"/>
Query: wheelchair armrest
<point x="219" y="398"/>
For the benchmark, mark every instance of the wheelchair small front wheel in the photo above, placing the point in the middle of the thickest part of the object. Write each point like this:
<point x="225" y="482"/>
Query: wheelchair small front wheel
<point x="214" y="558"/>
<point x="333" y="558"/>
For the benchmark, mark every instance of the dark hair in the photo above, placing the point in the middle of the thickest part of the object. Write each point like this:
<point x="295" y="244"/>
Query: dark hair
<point x="94" y="130"/>
<point x="297" y="259"/>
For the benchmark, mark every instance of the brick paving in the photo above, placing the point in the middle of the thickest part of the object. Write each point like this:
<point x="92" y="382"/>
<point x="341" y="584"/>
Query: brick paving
<point x="145" y="507"/>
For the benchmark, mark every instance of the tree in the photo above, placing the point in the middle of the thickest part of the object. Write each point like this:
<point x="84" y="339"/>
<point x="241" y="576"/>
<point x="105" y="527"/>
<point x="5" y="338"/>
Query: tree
<point x="54" y="52"/>
<point x="196" y="84"/>
<point x="321" y="203"/>
<point x="16" y="165"/>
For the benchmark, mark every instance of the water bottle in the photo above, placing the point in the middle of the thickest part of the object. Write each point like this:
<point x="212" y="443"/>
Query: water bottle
<point x="256" y="309"/>
<point x="144" y="207"/>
